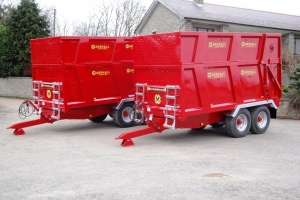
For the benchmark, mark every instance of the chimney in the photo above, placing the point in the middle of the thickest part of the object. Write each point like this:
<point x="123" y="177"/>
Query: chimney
<point x="199" y="2"/>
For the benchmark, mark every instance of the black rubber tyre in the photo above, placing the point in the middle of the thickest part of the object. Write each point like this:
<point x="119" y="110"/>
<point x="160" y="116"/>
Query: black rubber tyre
<point x="98" y="119"/>
<point x="217" y="124"/>
<point x="198" y="129"/>
<point x="124" y="117"/>
<point x="238" y="126"/>
<point x="260" y="119"/>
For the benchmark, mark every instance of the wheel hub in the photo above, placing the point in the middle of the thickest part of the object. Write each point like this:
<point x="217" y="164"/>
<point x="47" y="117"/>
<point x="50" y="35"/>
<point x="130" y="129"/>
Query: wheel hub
<point x="262" y="119"/>
<point x="241" y="122"/>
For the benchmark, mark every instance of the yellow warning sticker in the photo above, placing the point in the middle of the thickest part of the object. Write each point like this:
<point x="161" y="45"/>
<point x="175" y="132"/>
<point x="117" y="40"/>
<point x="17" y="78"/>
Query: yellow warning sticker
<point x="157" y="99"/>
<point x="49" y="94"/>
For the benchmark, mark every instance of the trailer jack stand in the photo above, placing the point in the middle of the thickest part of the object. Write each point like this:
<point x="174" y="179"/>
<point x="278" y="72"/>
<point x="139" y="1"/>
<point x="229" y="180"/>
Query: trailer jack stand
<point x="19" y="126"/>
<point x="133" y="134"/>
<point x="19" y="131"/>
<point x="127" y="143"/>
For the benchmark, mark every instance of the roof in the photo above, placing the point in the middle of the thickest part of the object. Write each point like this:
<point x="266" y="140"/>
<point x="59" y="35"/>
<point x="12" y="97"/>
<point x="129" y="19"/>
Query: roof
<point x="226" y="14"/>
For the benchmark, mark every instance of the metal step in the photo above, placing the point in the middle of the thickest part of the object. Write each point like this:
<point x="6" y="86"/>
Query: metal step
<point x="54" y="117"/>
<point x="170" y="116"/>
<point x="169" y="107"/>
<point x="172" y="87"/>
<point x="139" y="94"/>
<point x="170" y="97"/>
<point x="168" y="126"/>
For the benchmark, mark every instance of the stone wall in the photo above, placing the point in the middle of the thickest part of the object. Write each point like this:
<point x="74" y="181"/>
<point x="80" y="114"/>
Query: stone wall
<point x="286" y="80"/>
<point x="284" y="111"/>
<point x="288" y="42"/>
<point x="18" y="87"/>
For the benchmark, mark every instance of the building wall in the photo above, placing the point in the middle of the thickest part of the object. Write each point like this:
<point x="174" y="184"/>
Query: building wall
<point x="18" y="87"/>
<point x="161" y="20"/>
<point x="288" y="41"/>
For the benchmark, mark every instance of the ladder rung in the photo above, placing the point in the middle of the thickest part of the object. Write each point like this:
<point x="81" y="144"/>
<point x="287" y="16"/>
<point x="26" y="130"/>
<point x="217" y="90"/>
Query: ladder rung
<point x="54" y="117"/>
<point x="55" y="109"/>
<point x="170" y="116"/>
<point x="168" y="126"/>
<point x="35" y="90"/>
<point x="172" y="87"/>
<point x="140" y="85"/>
<point x="55" y="92"/>
<point x="171" y="107"/>
<point x="170" y="97"/>
<point x="139" y="94"/>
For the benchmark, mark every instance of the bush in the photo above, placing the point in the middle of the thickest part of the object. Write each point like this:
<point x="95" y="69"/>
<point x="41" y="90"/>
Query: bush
<point x="289" y="62"/>
<point x="294" y="93"/>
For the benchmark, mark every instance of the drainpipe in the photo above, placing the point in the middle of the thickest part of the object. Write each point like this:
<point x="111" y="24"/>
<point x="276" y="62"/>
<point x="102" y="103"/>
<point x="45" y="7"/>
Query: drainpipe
<point x="182" y="24"/>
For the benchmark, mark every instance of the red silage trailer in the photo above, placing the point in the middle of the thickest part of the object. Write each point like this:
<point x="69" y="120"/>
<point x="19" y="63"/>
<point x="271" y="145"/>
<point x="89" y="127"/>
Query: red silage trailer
<point x="192" y="79"/>
<point x="81" y="78"/>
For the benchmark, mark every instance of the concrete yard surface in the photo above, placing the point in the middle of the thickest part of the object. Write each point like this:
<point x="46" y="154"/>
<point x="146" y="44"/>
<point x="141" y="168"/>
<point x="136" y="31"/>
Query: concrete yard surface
<point x="78" y="159"/>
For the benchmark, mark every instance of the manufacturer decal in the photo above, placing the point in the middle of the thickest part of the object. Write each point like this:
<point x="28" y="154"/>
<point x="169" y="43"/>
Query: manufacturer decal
<point x="157" y="99"/>
<point x="156" y="89"/>
<point x="99" y="47"/>
<point x="212" y="75"/>
<point x="130" y="71"/>
<point x="248" y="72"/>
<point x="217" y="45"/>
<point x="49" y="94"/>
<point x="100" y="73"/>
<point x="47" y="86"/>
<point x="129" y="46"/>
<point x="249" y="44"/>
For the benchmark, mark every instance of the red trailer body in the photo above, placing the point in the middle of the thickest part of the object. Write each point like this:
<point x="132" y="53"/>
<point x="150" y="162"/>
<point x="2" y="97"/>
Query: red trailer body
<point x="192" y="79"/>
<point x="81" y="78"/>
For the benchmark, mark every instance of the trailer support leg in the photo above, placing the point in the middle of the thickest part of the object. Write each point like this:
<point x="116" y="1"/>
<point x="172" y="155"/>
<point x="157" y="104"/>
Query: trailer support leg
<point x="127" y="143"/>
<point x="19" y="126"/>
<point x="19" y="131"/>
<point x="132" y="134"/>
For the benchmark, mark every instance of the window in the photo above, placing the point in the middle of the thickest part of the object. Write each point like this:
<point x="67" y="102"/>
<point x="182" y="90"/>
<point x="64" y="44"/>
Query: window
<point x="203" y="29"/>
<point x="297" y="46"/>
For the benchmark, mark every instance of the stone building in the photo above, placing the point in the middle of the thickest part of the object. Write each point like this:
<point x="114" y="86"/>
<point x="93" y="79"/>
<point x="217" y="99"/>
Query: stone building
<point x="196" y="15"/>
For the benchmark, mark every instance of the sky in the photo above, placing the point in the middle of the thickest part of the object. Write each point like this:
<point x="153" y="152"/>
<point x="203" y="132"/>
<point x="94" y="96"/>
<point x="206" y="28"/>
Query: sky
<point x="78" y="10"/>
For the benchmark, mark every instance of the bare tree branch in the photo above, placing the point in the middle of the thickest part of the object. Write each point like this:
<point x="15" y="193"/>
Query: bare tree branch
<point x="117" y="18"/>
<point x="6" y="7"/>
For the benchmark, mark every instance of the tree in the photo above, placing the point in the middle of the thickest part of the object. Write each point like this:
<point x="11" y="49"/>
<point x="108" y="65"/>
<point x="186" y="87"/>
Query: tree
<point x="118" y="18"/>
<point x="6" y="7"/>
<point x="2" y="31"/>
<point x="24" y="23"/>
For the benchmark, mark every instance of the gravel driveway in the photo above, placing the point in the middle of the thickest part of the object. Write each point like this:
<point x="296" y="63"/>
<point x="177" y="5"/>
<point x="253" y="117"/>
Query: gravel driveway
<point x="78" y="159"/>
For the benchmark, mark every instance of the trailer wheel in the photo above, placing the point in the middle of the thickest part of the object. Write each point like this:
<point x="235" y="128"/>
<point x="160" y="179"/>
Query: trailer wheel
<point x="98" y="119"/>
<point x="217" y="124"/>
<point x="239" y="125"/>
<point x="260" y="119"/>
<point x="124" y="117"/>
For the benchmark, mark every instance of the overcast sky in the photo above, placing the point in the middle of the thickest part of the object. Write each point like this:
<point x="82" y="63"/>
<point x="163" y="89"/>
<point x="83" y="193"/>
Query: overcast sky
<point x="78" y="10"/>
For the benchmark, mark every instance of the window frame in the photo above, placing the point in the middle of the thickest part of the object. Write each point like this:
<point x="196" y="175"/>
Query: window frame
<point x="203" y="29"/>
